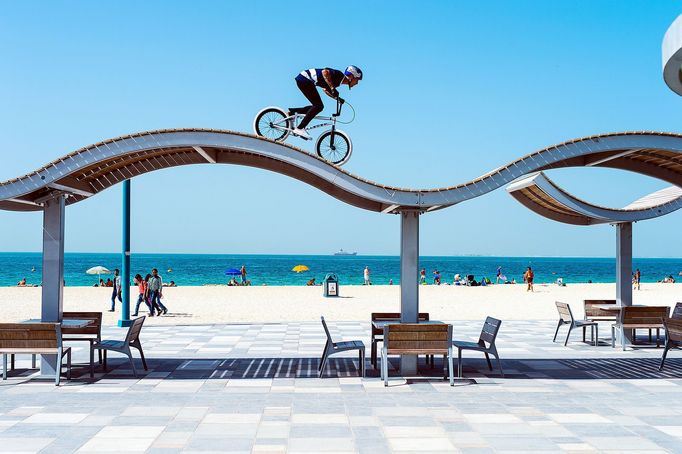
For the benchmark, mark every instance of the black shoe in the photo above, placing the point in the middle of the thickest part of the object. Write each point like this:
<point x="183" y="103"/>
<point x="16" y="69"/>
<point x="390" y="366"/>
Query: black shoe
<point x="165" y="311"/>
<point x="134" y="315"/>
<point x="158" y="314"/>
<point x="151" y="314"/>
<point x="111" y="310"/>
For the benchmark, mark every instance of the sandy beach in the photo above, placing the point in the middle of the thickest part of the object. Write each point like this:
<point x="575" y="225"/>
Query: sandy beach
<point x="222" y="304"/>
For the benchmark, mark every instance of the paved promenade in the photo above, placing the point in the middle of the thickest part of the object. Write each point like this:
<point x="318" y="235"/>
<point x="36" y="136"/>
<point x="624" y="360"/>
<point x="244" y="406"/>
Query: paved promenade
<point x="253" y="388"/>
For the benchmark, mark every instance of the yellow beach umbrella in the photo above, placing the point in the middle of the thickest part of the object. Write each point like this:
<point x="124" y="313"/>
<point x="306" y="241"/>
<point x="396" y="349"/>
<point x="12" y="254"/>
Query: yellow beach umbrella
<point x="300" y="268"/>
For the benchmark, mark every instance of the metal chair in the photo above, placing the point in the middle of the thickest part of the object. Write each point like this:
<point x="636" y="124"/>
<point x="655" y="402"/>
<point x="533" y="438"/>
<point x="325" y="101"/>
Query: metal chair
<point x="677" y="312"/>
<point x="331" y="348"/>
<point x="491" y="327"/>
<point x="673" y="337"/>
<point x="566" y="318"/>
<point x="132" y="339"/>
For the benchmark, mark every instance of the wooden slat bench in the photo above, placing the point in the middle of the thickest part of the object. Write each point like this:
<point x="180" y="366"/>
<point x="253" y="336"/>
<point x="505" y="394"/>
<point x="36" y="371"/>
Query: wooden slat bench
<point x="378" y="333"/>
<point x="640" y="317"/>
<point x="91" y="333"/>
<point x="417" y="339"/>
<point x="34" y="339"/>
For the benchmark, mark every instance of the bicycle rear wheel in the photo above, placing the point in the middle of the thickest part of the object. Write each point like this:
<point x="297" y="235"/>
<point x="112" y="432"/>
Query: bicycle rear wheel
<point x="334" y="147"/>
<point x="272" y="124"/>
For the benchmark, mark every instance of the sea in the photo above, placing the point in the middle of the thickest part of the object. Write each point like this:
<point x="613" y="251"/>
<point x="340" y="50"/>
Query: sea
<point x="210" y="269"/>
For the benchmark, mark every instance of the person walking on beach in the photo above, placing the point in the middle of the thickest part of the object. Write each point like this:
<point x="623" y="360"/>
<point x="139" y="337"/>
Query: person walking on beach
<point x="142" y="295"/>
<point x="436" y="277"/>
<point x="499" y="275"/>
<point x="636" y="279"/>
<point x="155" y="290"/>
<point x="422" y="276"/>
<point x="116" y="290"/>
<point x="528" y="277"/>
<point x="242" y="271"/>
<point x="366" y="274"/>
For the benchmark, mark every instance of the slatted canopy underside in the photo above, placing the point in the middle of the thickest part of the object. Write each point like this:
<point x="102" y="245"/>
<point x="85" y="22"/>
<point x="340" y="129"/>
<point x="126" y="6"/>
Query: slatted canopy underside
<point x="541" y="195"/>
<point x="97" y="167"/>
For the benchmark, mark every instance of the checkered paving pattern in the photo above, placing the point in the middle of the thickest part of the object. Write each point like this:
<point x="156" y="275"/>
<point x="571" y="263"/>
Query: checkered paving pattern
<point x="254" y="388"/>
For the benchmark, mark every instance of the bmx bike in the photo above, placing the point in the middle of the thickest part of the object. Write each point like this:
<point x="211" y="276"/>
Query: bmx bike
<point x="333" y="145"/>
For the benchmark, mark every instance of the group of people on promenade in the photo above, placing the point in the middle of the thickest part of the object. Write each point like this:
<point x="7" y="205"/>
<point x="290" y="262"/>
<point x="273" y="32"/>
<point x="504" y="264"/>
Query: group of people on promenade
<point x="150" y="292"/>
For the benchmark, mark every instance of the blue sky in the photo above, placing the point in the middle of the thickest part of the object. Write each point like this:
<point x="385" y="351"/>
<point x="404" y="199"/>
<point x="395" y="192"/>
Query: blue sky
<point x="451" y="91"/>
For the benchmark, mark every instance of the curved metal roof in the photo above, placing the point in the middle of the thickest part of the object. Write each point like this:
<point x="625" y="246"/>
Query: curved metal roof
<point x="672" y="56"/>
<point x="540" y="194"/>
<point x="94" y="168"/>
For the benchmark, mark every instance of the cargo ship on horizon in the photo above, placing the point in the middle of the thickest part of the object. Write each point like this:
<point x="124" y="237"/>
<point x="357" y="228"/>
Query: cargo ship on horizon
<point x="342" y="252"/>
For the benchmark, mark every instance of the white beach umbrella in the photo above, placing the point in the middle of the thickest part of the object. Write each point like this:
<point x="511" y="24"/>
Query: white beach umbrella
<point x="98" y="270"/>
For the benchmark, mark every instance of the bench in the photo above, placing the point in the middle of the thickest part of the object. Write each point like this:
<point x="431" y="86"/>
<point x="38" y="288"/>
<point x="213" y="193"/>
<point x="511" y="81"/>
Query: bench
<point x="91" y="333"/>
<point x="640" y="317"/>
<point x="417" y="339"/>
<point x="378" y="333"/>
<point x="595" y="313"/>
<point x="34" y="339"/>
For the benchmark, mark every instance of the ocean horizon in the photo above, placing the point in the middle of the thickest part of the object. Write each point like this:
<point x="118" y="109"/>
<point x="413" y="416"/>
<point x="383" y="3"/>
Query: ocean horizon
<point x="269" y="269"/>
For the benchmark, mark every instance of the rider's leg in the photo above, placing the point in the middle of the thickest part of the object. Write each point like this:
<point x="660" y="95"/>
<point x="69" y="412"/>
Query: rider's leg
<point x="309" y="91"/>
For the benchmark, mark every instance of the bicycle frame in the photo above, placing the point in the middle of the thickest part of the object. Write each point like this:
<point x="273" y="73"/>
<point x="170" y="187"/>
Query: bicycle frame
<point x="326" y="121"/>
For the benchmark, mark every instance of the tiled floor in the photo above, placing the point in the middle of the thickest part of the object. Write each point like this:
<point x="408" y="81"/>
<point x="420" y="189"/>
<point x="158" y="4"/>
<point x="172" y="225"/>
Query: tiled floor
<point x="253" y="388"/>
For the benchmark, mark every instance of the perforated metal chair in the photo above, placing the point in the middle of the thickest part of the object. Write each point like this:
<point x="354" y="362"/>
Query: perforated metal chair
<point x="332" y="348"/>
<point x="485" y="344"/>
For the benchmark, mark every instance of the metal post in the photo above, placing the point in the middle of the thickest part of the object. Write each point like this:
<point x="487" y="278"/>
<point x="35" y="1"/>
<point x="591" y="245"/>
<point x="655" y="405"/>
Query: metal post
<point x="53" y="271"/>
<point x="624" y="264"/>
<point x="624" y="270"/>
<point x="409" y="279"/>
<point x="125" y="258"/>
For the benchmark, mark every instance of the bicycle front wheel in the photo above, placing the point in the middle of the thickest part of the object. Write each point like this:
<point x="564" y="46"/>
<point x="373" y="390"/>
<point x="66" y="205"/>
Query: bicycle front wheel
<point x="334" y="147"/>
<point x="272" y="124"/>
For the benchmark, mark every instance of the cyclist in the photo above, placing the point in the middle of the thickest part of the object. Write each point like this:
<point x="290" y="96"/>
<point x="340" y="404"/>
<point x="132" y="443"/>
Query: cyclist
<point x="326" y="78"/>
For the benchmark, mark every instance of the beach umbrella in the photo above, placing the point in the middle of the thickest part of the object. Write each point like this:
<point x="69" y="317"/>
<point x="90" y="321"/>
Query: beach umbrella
<point x="300" y="268"/>
<point x="98" y="270"/>
<point x="233" y="272"/>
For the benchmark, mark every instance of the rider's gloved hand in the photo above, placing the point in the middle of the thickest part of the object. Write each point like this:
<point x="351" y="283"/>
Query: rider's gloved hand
<point x="335" y="93"/>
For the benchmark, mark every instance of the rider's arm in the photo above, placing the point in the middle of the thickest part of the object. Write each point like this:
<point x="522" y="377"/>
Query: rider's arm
<point x="328" y="78"/>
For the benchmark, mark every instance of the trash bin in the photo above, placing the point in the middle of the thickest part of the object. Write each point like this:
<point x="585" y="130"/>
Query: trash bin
<point x="331" y="285"/>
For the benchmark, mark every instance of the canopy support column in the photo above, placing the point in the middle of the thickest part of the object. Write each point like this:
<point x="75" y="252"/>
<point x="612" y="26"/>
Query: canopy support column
<point x="409" y="280"/>
<point x="125" y="258"/>
<point x="624" y="270"/>
<point x="624" y="264"/>
<point x="52" y="302"/>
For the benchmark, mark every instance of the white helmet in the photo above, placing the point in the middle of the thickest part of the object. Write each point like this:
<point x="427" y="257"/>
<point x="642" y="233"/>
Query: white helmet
<point x="354" y="71"/>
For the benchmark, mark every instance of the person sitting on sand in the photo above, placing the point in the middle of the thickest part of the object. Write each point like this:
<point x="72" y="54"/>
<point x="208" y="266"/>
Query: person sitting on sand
<point x="22" y="283"/>
<point x="436" y="277"/>
<point x="171" y="284"/>
<point x="109" y="283"/>
<point x="311" y="282"/>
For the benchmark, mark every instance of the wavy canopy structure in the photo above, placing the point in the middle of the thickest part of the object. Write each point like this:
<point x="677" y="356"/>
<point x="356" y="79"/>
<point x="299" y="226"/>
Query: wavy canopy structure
<point x="94" y="168"/>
